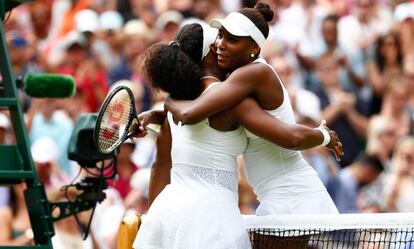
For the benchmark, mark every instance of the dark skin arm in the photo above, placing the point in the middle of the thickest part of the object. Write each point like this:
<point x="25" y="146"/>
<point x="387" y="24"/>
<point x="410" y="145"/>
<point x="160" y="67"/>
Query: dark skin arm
<point x="240" y="84"/>
<point x="152" y="117"/>
<point x="289" y="136"/>
<point x="160" y="171"/>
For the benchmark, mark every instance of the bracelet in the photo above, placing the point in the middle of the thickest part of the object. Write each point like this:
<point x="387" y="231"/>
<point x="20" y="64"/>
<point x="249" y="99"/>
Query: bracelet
<point x="326" y="136"/>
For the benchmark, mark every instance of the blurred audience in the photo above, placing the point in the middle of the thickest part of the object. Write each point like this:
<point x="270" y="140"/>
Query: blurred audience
<point x="386" y="65"/>
<point x="344" y="111"/>
<point x="125" y="168"/>
<point x="394" y="106"/>
<point x="15" y="229"/>
<point x="346" y="185"/>
<point x="399" y="181"/>
<point x="348" y="62"/>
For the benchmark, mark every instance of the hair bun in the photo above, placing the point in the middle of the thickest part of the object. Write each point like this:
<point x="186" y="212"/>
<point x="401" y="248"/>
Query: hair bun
<point x="265" y="10"/>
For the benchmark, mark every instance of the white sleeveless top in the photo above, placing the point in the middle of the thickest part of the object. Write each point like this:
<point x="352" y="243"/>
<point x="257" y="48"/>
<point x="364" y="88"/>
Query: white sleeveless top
<point x="205" y="154"/>
<point x="273" y="170"/>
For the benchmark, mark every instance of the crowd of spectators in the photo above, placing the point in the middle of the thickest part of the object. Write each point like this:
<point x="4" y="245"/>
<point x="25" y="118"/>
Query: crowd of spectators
<point x="349" y="62"/>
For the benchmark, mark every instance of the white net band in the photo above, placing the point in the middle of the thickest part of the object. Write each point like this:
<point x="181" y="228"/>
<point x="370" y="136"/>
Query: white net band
<point x="338" y="221"/>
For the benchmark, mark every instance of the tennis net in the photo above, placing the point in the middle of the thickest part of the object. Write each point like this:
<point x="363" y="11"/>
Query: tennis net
<point x="343" y="231"/>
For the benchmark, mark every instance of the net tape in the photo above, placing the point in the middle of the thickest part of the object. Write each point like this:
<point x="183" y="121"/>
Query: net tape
<point x="361" y="231"/>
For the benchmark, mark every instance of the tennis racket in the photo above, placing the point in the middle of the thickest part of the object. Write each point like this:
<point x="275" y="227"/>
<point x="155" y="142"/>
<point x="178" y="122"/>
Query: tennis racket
<point x="116" y="120"/>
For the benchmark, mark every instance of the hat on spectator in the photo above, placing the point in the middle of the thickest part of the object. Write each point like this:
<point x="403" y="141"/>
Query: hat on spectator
<point x="404" y="11"/>
<point x="4" y="121"/>
<point x="138" y="27"/>
<point x="86" y="20"/>
<point x="44" y="149"/>
<point x="170" y="16"/>
<point x="110" y="20"/>
<point x="74" y="38"/>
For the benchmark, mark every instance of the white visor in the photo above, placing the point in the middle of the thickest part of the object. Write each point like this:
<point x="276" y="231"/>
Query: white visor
<point x="238" y="24"/>
<point x="209" y="36"/>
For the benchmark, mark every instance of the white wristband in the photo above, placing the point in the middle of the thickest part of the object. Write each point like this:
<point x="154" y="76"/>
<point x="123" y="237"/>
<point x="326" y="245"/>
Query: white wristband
<point x="326" y="136"/>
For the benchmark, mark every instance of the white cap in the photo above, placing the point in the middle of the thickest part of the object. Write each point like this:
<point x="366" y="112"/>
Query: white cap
<point x="238" y="24"/>
<point x="138" y="27"/>
<point x="404" y="11"/>
<point x="44" y="149"/>
<point x="4" y="121"/>
<point x="110" y="20"/>
<point x="209" y="36"/>
<point x="74" y="37"/>
<point x="167" y="17"/>
<point x="86" y="20"/>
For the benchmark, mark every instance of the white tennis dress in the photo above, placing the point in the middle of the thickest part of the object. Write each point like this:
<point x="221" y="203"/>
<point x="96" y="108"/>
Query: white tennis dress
<point x="198" y="209"/>
<point x="283" y="181"/>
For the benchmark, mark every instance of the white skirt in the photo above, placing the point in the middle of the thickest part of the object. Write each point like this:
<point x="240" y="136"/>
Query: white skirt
<point x="306" y="203"/>
<point x="191" y="213"/>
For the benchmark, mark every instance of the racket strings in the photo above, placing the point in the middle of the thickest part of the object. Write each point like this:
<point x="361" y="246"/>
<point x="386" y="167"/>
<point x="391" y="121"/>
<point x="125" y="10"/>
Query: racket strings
<point x="115" y="121"/>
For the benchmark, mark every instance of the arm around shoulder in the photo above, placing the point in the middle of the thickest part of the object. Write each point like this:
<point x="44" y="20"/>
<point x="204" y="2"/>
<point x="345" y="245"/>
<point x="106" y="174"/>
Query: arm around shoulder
<point x="262" y="124"/>
<point x="240" y="84"/>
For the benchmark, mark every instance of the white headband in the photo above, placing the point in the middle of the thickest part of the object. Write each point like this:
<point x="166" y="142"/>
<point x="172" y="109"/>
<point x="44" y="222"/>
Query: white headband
<point x="240" y="25"/>
<point x="209" y="36"/>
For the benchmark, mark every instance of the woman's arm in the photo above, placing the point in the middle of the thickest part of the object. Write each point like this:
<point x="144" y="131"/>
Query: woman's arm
<point x="289" y="136"/>
<point x="152" y="117"/>
<point x="240" y="84"/>
<point x="160" y="171"/>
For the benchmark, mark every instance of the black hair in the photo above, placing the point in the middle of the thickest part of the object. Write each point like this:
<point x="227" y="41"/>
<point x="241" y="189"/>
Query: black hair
<point x="248" y="3"/>
<point x="371" y="161"/>
<point x="260" y="15"/>
<point x="332" y="18"/>
<point x="380" y="58"/>
<point x="176" y="68"/>
<point x="190" y="38"/>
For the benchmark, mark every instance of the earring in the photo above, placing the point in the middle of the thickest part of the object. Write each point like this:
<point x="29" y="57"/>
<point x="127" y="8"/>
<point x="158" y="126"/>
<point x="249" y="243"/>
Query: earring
<point x="252" y="55"/>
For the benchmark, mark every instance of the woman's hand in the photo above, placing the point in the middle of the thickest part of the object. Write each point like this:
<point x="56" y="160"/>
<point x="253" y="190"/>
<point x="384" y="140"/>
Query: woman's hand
<point x="138" y="130"/>
<point x="146" y="118"/>
<point x="152" y="117"/>
<point x="334" y="144"/>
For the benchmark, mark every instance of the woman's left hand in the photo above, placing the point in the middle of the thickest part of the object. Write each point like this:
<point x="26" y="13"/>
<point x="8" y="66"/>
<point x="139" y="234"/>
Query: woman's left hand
<point x="334" y="144"/>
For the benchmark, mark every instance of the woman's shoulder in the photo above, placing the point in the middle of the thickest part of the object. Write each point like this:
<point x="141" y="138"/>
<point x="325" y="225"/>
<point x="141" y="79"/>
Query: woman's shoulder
<point x="253" y="70"/>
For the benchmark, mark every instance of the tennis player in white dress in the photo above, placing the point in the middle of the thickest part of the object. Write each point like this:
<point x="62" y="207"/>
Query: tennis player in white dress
<point x="282" y="180"/>
<point x="199" y="208"/>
